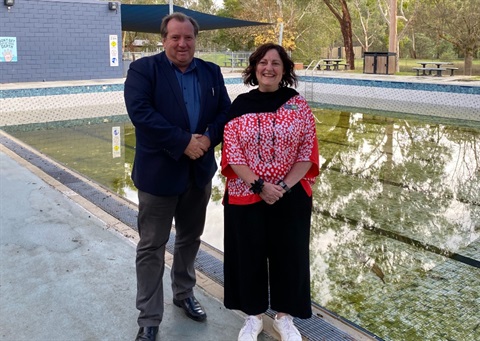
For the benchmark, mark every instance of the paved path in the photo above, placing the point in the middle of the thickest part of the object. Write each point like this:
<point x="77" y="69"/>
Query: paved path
<point x="68" y="274"/>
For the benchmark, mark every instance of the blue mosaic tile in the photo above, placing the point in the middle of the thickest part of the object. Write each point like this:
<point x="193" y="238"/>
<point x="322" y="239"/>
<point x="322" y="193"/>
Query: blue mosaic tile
<point x="64" y="90"/>
<point x="462" y="89"/>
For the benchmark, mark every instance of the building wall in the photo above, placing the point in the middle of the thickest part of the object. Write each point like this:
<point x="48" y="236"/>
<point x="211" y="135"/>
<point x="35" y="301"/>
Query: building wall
<point x="60" y="40"/>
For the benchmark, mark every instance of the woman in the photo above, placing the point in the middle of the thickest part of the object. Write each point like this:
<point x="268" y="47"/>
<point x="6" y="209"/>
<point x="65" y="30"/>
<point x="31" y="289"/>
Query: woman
<point x="270" y="160"/>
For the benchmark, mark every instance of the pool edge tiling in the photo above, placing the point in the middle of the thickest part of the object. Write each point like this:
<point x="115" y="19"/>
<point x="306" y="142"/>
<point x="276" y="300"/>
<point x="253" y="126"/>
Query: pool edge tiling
<point x="458" y="101"/>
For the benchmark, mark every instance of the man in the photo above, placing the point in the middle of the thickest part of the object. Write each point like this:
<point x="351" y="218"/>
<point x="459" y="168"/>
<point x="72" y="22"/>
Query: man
<point x="178" y="105"/>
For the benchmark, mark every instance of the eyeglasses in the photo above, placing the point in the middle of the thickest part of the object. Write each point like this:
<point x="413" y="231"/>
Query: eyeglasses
<point x="259" y="142"/>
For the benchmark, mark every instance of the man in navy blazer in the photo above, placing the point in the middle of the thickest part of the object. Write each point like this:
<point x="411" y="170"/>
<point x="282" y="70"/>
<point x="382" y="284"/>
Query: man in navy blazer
<point x="178" y="105"/>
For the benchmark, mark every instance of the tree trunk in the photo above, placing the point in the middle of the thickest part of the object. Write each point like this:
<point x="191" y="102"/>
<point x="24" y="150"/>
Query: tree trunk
<point x="345" y="22"/>
<point x="468" y="62"/>
<point x="348" y="44"/>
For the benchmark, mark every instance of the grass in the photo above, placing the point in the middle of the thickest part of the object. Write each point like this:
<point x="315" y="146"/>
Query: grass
<point x="406" y="65"/>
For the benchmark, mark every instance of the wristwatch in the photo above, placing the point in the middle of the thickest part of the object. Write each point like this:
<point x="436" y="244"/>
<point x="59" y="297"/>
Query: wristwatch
<point x="284" y="186"/>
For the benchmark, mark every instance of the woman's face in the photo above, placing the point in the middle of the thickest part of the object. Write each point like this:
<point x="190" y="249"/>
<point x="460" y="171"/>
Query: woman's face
<point x="269" y="71"/>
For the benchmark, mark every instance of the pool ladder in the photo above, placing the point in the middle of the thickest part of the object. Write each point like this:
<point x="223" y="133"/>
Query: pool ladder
<point x="308" y="84"/>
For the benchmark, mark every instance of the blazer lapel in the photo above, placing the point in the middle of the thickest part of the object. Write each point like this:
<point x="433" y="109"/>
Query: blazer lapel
<point x="204" y="90"/>
<point x="172" y="81"/>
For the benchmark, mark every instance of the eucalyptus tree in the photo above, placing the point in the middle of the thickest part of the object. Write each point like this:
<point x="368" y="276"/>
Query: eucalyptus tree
<point x="367" y="28"/>
<point x="287" y="19"/>
<point x="339" y="9"/>
<point x="235" y="39"/>
<point x="317" y="31"/>
<point x="455" y="21"/>
<point x="406" y="13"/>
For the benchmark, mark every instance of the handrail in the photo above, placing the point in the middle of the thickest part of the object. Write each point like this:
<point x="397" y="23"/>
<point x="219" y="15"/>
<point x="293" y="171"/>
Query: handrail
<point x="316" y="65"/>
<point x="308" y="67"/>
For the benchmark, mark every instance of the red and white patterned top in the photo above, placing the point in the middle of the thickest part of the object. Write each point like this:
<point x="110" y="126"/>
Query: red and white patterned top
<point x="269" y="144"/>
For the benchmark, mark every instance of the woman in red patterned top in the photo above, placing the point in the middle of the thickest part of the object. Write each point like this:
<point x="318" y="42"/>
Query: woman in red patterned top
<point x="270" y="159"/>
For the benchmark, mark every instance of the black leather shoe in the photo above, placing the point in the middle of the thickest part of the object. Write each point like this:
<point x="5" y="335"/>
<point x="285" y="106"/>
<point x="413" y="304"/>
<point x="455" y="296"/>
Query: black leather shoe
<point x="147" y="334"/>
<point x="192" y="308"/>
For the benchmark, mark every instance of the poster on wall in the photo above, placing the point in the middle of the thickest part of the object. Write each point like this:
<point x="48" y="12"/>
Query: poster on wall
<point x="8" y="49"/>
<point x="113" y="50"/>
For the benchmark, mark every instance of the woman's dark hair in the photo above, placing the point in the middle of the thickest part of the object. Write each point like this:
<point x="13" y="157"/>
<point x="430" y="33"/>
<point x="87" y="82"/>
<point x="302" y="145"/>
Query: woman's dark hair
<point x="179" y="16"/>
<point x="288" y="78"/>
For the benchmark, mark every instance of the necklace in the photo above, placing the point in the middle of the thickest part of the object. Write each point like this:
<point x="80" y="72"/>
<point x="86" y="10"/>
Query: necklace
<point x="259" y="142"/>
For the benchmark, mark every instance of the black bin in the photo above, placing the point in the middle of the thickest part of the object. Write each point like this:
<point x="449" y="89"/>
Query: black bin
<point x="379" y="62"/>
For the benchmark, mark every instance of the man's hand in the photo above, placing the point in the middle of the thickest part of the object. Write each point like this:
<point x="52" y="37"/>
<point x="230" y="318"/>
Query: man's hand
<point x="197" y="146"/>
<point x="204" y="140"/>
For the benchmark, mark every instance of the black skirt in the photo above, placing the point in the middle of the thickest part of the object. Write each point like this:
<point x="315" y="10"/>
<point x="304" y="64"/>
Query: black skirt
<point x="266" y="255"/>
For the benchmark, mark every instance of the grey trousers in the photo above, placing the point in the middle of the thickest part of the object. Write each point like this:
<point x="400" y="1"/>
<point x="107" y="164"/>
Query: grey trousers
<point x="155" y="219"/>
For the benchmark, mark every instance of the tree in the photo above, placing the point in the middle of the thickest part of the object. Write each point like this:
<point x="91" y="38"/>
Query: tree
<point x="407" y="11"/>
<point x="369" y="28"/>
<point x="458" y="22"/>
<point x="339" y="8"/>
<point x="316" y="30"/>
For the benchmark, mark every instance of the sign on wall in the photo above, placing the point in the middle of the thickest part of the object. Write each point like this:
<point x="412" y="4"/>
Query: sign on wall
<point x="8" y="49"/>
<point x="116" y="142"/>
<point x="113" y="50"/>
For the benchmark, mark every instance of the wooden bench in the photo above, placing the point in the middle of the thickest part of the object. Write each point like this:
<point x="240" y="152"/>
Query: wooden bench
<point x="452" y="70"/>
<point x="438" y="71"/>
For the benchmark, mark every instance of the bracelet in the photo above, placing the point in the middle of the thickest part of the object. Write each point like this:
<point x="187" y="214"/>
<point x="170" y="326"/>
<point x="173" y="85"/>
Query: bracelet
<point x="284" y="186"/>
<point x="257" y="186"/>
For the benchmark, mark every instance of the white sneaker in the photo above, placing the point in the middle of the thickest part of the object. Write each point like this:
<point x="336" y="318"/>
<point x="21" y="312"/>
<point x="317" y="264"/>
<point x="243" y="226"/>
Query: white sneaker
<point x="287" y="330"/>
<point x="251" y="328"/>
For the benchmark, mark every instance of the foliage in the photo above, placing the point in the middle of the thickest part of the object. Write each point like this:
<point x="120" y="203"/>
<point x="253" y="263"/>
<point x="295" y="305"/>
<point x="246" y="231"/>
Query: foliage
<point x="445" y="30"/>
<point x="456" y="22"/>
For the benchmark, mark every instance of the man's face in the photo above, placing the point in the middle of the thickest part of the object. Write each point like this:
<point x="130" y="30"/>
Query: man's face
<point x="179" y="44"/>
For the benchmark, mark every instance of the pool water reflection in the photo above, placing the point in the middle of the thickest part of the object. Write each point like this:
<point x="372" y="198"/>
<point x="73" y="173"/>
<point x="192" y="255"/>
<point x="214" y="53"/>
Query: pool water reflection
<point x="395" y="242"/>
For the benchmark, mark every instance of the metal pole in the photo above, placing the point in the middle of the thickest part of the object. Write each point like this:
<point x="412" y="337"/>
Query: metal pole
<point x="170" y="6"/>
<point x="280" y="36"/>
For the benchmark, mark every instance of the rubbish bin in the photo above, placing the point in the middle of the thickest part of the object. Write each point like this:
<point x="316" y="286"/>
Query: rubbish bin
<point x="298" y="66"/>
<point x="379" y="62"/>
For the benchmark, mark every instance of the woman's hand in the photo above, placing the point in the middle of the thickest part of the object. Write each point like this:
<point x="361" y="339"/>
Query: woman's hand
<point x="271" y="193"/>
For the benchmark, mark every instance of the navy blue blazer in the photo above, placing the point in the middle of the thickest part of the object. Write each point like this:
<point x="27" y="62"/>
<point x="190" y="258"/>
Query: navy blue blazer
<point x="156" y="108"/>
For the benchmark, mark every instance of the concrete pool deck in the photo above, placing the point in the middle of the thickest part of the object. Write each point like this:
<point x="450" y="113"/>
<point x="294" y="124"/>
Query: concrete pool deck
<point x="68" y="266"/>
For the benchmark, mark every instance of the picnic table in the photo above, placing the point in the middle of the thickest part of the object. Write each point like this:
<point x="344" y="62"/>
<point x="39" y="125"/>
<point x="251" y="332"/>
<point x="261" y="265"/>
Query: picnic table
<point x="333" y="63"/>
<point x="438" y="69"/>
<point x="236" y="60"/>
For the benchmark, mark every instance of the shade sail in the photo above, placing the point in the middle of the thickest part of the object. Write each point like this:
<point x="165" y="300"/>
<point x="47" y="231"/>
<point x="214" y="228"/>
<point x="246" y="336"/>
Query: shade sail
<point x="147" y="18"/>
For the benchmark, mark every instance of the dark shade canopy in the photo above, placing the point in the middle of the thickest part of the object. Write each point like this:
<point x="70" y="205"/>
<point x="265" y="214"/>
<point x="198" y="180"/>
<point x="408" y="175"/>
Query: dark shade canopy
<point x="147" y="18"/>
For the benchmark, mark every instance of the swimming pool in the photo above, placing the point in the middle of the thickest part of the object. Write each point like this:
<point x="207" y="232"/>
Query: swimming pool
<point x="395" y="242"/>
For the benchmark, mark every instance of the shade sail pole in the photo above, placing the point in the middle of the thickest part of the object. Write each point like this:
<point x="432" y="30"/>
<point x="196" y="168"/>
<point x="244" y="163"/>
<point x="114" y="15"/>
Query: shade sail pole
<point x="280" y="36"/>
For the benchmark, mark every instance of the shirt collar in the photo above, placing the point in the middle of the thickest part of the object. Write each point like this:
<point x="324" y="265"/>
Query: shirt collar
<point x="192" y="66"/>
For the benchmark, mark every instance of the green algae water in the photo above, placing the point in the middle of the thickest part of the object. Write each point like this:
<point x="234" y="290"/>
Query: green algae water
<point x="395" y="244"/>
